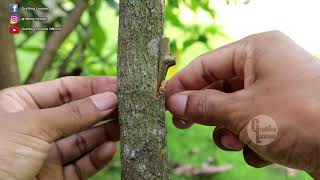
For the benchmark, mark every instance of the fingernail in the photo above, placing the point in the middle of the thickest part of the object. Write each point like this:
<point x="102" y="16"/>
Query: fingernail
<point x="104" y="101"/>
<point x="231" y="144"/>
<point x="225" y="142"/>
<point x="178" y="104"/>
<point x="182" y="122"/>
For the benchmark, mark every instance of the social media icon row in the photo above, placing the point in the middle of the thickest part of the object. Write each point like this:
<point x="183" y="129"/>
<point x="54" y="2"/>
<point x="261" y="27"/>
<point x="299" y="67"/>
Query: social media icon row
<point x="14" y="19"/>
<point x="13" y="8"/>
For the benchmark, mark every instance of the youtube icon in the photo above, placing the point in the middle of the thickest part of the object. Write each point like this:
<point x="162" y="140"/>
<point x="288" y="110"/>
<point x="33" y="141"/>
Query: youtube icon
<point x="14" y="30"/>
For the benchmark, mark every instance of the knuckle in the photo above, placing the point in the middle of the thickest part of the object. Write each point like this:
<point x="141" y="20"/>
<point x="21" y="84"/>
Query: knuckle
<point x="77" y="170"/>
<point x="81" y="144"/>
<point x="254" y="47"/>
<point x="276" y="33"/>
<point x="275" y="36"/>
<point x="59" y="151"/>
<point x="252" y="42"/>
<point x="256" y="40"/>
<point x="64" y="93"/>
<point x="238" y="111"/>
<point x="203" y="105"/>
<point x="75" y="111"/>
<point x="69" y="79"/>
<point x="269" y="34"/>
<point x="200" y="105"/>
<point x="93" y="161"/>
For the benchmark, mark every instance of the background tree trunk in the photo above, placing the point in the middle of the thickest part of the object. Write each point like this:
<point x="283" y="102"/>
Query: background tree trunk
<point x="141" y="111"/>
<point x="9" y="72"/>
<point x="56" y="39"/>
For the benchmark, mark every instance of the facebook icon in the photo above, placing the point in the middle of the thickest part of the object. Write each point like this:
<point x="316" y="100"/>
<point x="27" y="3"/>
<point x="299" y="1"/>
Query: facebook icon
<point x="13" y="8"/>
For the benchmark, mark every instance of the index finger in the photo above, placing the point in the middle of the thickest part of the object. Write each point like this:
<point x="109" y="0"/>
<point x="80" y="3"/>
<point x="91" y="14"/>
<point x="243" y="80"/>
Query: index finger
<point x="57" y="92"/>
<point x="221" y="64"/>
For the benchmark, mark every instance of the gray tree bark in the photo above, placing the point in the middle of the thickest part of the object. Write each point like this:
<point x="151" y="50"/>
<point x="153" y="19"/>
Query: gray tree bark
<point x="141" y="108"/>
<point x="9" y="72"/>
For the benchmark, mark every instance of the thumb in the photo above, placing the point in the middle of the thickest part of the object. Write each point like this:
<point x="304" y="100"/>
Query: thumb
<point x="208" y="107"/>
<point x="54" y="123"/>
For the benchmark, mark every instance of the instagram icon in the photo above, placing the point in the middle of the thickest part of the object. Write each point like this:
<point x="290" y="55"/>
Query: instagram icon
<point x="14" y="19"/>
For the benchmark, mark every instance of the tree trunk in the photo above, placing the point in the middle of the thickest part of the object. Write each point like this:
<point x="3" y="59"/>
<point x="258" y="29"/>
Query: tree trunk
<point x="9" y="72"/>
<point x="141" y="108"/>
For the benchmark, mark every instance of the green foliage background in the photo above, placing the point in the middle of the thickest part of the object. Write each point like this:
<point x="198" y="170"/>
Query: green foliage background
<point x="94" y="43"/>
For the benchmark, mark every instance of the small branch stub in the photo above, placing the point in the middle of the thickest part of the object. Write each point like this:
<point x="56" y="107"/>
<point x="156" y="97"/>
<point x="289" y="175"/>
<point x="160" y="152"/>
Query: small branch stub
<point x="166" y="60"/>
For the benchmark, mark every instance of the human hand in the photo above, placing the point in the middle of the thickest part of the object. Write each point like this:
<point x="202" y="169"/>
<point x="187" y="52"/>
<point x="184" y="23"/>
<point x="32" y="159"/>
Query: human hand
<point x="263" y="74"/>
<point x="46" y="128"/>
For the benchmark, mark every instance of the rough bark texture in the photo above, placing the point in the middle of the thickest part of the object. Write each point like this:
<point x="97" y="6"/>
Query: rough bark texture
<point x="9" y="72"/>
<point x="141" y="111"/>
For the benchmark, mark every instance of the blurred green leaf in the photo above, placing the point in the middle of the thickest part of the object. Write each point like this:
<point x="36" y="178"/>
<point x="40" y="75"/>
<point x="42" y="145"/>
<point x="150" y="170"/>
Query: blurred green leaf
<point x="99" y="37"/>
